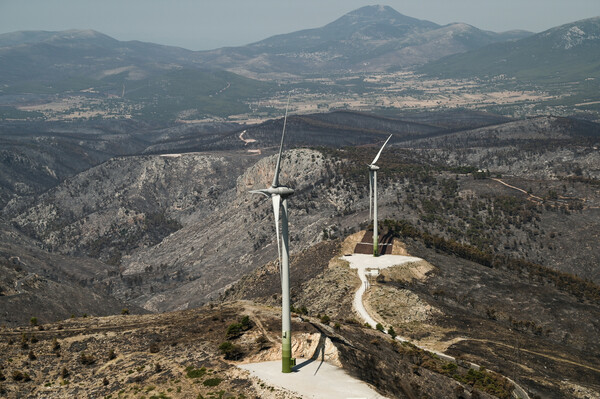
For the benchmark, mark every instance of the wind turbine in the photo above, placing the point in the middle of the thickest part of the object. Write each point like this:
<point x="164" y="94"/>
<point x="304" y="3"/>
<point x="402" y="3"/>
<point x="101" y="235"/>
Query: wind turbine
<point x="373" y="197"/>
<point x="279" y="195"/>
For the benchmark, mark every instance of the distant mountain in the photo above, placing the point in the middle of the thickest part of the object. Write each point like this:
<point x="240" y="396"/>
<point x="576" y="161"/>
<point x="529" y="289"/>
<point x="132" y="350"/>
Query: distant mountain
<point x="51" y="56"/>
<point x="568" y="52"/>
<point x="371" y="38"/>
<point x="161" y="80"/>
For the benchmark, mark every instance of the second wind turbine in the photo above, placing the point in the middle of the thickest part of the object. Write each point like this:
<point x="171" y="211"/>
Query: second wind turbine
<point x="373" y="197"/>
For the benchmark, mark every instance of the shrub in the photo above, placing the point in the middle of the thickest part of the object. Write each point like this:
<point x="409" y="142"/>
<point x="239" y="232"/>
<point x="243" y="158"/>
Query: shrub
<point x="245" y="322"/>
<point x="337" y="326"/>
<point x="33" y="321"/>
<point x="192" y="372"/>
<point x="124" y="311"/>
<point x="379" y="327"/>
<point x="24" y="344"/>
<point x="154" y="348"/>
<point x="234" y="330"/>
<point x="449" y="368"/>
<point x="231" y="351"/>
<point x="55" y="345"/>
<point x="20" y="376"/>
<point x="325" y="319"/>
<point x="2" y="377"/>
<point x="64" y="373"/>
<point x="34" y="339"/>
<point x="31" y="355"/>
<point x="212" y="382"/>
<point x="391" y="332"/>
<point x="86" y="359"/>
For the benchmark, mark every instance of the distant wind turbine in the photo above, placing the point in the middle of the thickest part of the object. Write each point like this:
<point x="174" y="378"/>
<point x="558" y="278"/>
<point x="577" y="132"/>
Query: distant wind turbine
<point x="373" y="197"/>
<point x="279" y="195"/>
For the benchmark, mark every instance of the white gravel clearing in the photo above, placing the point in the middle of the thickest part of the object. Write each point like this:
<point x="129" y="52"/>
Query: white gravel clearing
<point x="313" y="379"/>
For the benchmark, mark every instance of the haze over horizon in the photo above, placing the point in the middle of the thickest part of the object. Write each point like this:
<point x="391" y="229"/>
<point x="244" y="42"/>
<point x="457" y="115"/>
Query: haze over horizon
<point x="208" y="25"/>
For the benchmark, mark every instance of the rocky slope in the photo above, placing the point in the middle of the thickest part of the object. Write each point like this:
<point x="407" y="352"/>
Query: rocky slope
<point x="494" y="316"/>
<point x="176" y="355"/>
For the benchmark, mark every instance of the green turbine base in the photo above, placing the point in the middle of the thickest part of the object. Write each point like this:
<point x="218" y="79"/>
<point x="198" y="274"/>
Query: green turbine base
<point x="286" y="352"/>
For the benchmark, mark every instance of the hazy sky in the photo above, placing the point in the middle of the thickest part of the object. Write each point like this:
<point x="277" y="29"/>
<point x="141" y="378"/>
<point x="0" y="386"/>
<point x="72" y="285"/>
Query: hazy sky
<point x="208" y="24"/>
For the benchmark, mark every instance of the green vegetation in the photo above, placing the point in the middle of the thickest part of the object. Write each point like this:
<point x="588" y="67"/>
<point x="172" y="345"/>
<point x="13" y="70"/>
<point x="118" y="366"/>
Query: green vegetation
<point x="192" y="372"/>
<point x="487" y="382"/>
<point x="392" y="332"/>
<point x="231" y="351"/>
<point x="483" y="380"/>
<point x="379" y="327"/>
<point x="212" y="382"/>
<point x="235" y="330"/>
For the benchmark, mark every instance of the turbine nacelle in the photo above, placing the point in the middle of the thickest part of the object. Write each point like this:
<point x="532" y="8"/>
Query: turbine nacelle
<point x="373" y="167"/>
<point x="283" y="191"/>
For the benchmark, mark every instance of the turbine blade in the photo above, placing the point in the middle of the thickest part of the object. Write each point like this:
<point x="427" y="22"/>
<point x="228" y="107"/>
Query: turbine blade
<point x="276" y="208"/>
<point x="259" y="192"/>
<point x="370" y="195"/>
<point x="276" y="177"/>
<point x="379" y="153"/>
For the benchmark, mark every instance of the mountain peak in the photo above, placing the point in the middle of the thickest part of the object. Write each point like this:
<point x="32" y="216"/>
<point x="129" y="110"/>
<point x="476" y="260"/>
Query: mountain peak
<point x="373" y="10"/>
<point x="32" y="37"/>
<point x="576" y="33"/>
<point x="381" y="13"/>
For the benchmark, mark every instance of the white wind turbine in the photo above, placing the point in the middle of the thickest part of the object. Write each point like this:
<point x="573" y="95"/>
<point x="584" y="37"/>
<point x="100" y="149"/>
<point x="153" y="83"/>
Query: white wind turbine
<point x="279" y="195"/>
<point x="373" y="197"/>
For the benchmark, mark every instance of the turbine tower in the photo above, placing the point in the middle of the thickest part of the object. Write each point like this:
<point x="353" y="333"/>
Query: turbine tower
<point x="373" y="197"/>
<point x="279" y="195"/>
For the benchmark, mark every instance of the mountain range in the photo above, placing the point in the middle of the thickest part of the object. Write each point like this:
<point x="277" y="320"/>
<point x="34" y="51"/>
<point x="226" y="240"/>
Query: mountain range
<point x="564" y="53"/>
<point x="372" y="38"/>
<point x="163" y="83"/>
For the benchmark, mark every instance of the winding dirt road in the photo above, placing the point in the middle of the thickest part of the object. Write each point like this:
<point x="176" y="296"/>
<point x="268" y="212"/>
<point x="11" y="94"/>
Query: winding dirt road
<point x="366" y="263"/>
